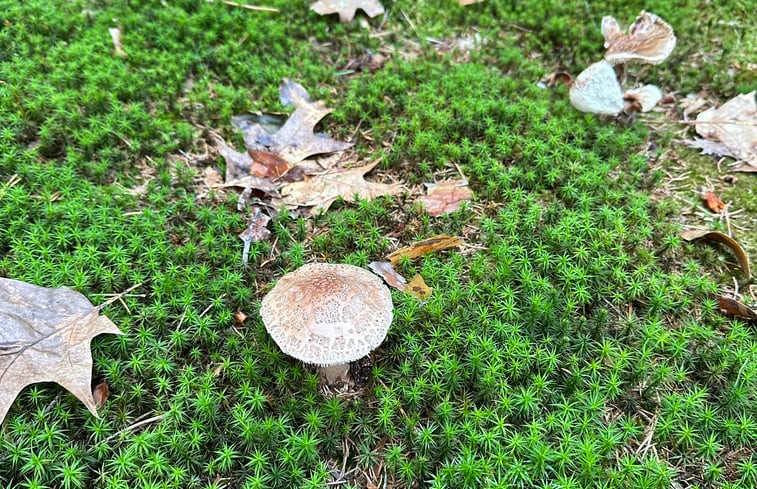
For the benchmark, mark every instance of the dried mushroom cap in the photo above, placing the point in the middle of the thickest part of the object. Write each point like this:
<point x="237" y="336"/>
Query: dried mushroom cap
<point x="649" y="40"/>
<point x="328" y="314"/>
<point x="642" y="99"/>
<point x="596" y="90"/>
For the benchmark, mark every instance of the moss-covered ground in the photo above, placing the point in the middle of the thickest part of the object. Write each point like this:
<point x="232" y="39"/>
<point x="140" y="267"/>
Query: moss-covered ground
<point x="575" y="342"/>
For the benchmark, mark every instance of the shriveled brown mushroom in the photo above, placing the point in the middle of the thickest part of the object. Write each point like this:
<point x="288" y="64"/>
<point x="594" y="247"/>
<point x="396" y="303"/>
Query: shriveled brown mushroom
<point x="328" y="315"/>
<point x="649" y="40"/>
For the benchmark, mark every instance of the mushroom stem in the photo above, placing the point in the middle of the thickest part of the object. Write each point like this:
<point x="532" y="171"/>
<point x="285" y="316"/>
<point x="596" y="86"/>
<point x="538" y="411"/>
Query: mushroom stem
<point x="335" y="373"/>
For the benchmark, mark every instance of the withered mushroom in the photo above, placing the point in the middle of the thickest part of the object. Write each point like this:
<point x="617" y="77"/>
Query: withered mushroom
<point x="597" y="90"/>
<point x="328" y="315"/>
<point x="649" y="40"/>
<point x="642" y="99"/>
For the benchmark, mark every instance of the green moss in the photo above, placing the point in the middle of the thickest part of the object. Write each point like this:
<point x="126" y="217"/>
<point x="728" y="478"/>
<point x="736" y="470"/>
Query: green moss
<point x="574" y="326"/>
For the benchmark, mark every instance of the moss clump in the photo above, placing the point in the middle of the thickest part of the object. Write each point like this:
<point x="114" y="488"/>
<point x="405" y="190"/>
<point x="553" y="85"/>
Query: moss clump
<point x="575" y="344"/>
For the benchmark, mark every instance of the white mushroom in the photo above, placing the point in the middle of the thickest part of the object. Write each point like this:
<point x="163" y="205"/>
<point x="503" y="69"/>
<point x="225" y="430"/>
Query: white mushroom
<point x="649" y="40"/>
<point x="597" y="90"/>
<point x="328" y="315"/>
<point x="642" y="99"/>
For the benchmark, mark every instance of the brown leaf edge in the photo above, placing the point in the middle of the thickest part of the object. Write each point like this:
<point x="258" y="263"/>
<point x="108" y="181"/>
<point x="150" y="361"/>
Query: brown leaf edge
<point x="719" y="237"/>
<point x="736" y="308"/>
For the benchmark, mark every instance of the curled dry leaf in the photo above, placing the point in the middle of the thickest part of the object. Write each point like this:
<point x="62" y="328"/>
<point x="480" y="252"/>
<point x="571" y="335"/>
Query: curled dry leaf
<point x="45" y="337"/>
<point x="347" y="8"/>
<point x="649" y="40"/>
<point x="238" y="166"/>
<point x="294" y="140"/>
<point x="734" y="124"/>
<point x="736" y="308"/>
<point x="240" y="317"/>
<point x="385" y="270"/>
<point x="642" y="99"/>
<point x="100" y="394"/>
<point x="255" y="231"/>
<point x="719" y="237"/>
<point x="713" y="202"/>
<point x="424" y="247"/>
<point x="446" y="197"/>
<point x="417" y="287"/>
<point x="321" y="190"/>
<point x="597" y="90"/>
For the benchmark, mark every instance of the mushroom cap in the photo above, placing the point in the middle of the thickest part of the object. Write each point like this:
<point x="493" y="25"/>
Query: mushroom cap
<point x="642" y="99"/>
<point x="328" y="314"/>
<point x="597" y="90"/>
<point x="649" y="40"/>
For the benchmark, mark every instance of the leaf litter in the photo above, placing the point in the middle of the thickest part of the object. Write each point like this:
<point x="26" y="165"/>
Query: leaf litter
<point x="734" y="125"/>
<point x="719" y="237"/>
<point x="445" y="197"/>
<point x="45" y="337"/>
<point x="424" y="247"/>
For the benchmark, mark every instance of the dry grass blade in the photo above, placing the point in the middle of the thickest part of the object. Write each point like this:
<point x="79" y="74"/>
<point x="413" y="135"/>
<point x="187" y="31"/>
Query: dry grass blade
<point x="424" y="247"/>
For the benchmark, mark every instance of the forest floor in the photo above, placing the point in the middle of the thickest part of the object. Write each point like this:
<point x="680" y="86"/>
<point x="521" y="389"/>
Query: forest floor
<point x="574" y="339"/>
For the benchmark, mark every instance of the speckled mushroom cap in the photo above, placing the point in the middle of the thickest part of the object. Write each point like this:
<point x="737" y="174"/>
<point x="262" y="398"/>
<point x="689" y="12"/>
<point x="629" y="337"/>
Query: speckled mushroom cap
<point x="328" y="314"/>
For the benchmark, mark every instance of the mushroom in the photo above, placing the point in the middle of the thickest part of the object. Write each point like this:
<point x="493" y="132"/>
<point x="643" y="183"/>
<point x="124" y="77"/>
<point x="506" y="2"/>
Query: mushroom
<point x="649" y="40"/>
<point x="328" y="315"/>
<point x="596" y="90"/>
<point x="642" y="99"/>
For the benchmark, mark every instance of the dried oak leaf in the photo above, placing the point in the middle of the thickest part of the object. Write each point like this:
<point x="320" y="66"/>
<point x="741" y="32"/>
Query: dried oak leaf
<point x="238" y="166"/>
<point x="735" y="125"/>
<point x="44" y="337"/>
<point x="446" y="197"/>
<point x="385" y="270"/>
<point x="321" y="190"/>
<point x="424" y="247"/>
<point x="417" y="288"/>
<point x="347" y="8"/>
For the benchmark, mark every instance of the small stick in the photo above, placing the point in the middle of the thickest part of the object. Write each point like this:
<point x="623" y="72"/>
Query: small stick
<point x="257" y="8"/>
<point x="118" y="297"/>
<point x="134" y="426"/>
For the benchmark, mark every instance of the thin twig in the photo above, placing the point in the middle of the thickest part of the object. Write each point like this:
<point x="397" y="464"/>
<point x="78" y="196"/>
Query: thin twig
<point x="256" y="8"/>
<point x="119" y="296"/>
<point x="135" y="425"/>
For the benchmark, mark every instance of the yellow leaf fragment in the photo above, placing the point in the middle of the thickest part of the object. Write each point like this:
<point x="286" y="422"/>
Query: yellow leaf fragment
<point x="424" y="247"/>
<point x="418" y="288"/>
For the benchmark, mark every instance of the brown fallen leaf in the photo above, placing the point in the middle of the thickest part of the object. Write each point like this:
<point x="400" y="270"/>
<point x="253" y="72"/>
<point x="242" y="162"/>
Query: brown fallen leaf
<point x="100" y="394"/>
<point x="321" y="190"/>
<point x="255" y="231"/>
<point x="735" y="125"/>
<point x="424" y="247"/>
<point x="45" y="337"/>
<point x="238" y="167"/>
<point x="418" y="288"/>
<point x="295" y="140"/>
<point x="385" y="270"/>
<point x="713" y="202"/>
<point x="741" y="256"/>
<point x="446" y="197"/>
<point x="736" y="308"/>
<point x="347" y="8"/>
<point x="240" y="317"/>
